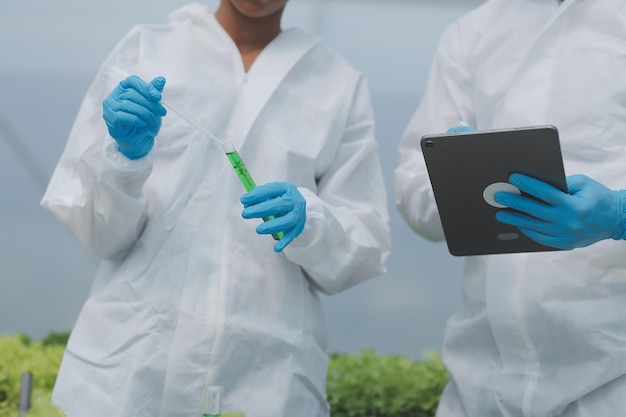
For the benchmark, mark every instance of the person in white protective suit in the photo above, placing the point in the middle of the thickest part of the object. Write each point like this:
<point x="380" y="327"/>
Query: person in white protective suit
<point x="539" y="334"/>
<point x="187" y="293"/>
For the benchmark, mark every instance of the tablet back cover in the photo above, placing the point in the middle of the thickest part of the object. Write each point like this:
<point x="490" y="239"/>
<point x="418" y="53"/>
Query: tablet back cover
<point x="462" y="165"/>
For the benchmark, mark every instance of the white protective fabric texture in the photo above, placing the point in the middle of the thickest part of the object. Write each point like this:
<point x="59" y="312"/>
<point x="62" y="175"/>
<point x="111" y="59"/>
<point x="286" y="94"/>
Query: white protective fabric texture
<point x="187" y="293"/>
<point x="540" y="334"/>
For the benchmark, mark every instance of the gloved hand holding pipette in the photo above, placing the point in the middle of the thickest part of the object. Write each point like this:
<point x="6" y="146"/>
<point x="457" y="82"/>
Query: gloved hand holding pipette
<point x="133" y="113"/>
<point x="283" y="201"/>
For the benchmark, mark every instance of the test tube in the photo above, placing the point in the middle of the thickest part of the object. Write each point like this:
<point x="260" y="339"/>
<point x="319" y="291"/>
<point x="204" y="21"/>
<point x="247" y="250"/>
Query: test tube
<point x="212" y="404"/>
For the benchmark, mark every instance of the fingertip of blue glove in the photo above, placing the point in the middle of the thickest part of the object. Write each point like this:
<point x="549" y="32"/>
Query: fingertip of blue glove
<point x="501" y="198"/>
<point x="159" y="83"/>
<point x="522" y="181"/>
<point x="245" y="199"/>
<point x="279" y="246"/>
<point x="462" y="128"/>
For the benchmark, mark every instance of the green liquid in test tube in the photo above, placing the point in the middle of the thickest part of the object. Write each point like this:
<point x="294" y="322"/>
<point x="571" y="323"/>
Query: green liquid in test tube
<point x="231" y="153"/>
<point x="241" y="170"/>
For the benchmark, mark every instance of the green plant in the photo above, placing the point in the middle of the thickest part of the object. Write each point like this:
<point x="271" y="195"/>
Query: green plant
<point x="56" y="339"/>
<point x="41" y="406"/>
<point x="368" y="385"/>
<point x="22" y="354"/>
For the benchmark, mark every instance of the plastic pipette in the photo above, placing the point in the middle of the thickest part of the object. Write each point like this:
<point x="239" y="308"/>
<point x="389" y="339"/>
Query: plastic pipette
<point x="229" y="149"/>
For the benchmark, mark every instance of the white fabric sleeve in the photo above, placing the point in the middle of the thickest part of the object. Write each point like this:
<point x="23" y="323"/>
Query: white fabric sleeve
<point x="446" y="102"/>
<point x="346" y="238"/>
<point x="95" y="191"/>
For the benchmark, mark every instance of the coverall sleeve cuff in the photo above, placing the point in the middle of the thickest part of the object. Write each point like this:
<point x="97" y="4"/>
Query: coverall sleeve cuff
<point x="310" y="233"/>
<point x="126" y="175"/>
<point x="121" y="162"/>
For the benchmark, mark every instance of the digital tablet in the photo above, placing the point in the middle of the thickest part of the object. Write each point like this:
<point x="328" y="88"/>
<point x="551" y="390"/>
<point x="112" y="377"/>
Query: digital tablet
<point x="467" y="168"/>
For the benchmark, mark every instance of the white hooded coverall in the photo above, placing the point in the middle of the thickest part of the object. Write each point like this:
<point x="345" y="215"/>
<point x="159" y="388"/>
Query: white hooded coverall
<point x="539" y="334"/>
<point x="187" y="293"/>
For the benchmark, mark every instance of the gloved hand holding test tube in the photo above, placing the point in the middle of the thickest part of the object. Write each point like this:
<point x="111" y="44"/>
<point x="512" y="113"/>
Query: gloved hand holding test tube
<point x="231" y="153"/>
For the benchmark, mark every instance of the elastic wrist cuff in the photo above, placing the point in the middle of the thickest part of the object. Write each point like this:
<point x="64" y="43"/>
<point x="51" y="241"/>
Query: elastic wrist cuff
<point x="620" y="230"/>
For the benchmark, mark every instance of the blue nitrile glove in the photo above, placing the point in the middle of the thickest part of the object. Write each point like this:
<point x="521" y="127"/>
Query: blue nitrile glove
<point x="281" y="200"/>
<point x="589" y="213"/>
<point x="461" y="128"/>
<point x="133" y="115"/>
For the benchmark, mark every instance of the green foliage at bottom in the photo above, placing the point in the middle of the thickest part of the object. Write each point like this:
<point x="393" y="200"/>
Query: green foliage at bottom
<point x="363" y="385"/>
<point x="41" y="406"/>
<point x="22" y="354"/>
<point x="368" y="385"/>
